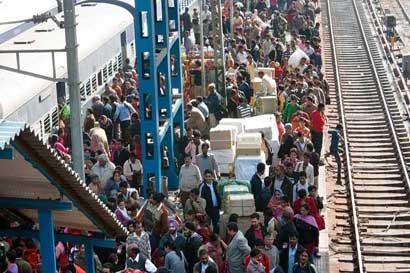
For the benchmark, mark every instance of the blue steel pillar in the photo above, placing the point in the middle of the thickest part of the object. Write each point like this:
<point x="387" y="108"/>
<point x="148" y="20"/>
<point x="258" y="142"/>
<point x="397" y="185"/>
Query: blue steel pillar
<point x="175" y="52"/>
<point x="165" y="101"/>
<point x="47" y="246"/>
<point x="148" y="89"/>
<point x="89" y="257"/>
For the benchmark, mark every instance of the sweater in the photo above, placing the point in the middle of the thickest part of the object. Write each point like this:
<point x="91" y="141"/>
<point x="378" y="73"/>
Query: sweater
<point x="189" y="177"/>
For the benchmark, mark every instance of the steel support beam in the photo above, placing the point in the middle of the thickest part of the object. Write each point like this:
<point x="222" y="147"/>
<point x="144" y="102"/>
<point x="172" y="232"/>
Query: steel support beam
<point x="35" y="204"/>
<point x="47" y="246"/>
<point x="89" y="257"/>
<point x="66" y="238"/>
<point x="74" y="88"/>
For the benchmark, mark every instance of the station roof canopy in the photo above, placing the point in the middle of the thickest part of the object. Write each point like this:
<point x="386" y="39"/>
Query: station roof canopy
<point x="32" y="170"/>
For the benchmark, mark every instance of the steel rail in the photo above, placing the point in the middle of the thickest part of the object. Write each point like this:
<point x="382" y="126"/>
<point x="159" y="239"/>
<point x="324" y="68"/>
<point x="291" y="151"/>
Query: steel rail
<point x="348" y="168"/>
<point x="403" y="10"/>
<point x="395" y="140"/>
<point x="386" y="107"/>
<point x="387" y="52"/>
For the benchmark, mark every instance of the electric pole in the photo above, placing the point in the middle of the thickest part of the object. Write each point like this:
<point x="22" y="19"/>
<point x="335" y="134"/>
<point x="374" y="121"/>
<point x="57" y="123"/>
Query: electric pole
<point x="74" y="87"/>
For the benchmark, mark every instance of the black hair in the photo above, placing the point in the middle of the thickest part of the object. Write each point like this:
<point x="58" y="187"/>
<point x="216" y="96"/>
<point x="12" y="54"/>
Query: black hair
<point x="207" y="171"/>
<point x="11" y="255"/>
<point x="267" y="181"/>
<point x="260" y="167"/>
<point x="255" y="252"/>
<point x="213" y="237"/>
<point x="123" y="184"/>
<point x="171" y="245"/>
<point x="302" y="193"/>
<point x="19" y="252"/>
<point x="293" y="233"/>
<point x="312" y="188"/>
<point x="232" y="226"/>
<point x="259" y="242"/>
<point x="195" y="191"/>
<point x="233" y="218"/>
<point x="255" y="215"/>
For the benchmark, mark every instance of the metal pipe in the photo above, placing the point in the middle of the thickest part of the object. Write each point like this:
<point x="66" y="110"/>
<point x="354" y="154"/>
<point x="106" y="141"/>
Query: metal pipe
<point x="74" y="87"/>
<point x="201" y="45"/>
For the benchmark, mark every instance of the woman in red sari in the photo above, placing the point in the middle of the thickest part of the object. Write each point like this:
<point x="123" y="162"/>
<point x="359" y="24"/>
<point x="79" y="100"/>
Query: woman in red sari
<point x="217" y="249"/>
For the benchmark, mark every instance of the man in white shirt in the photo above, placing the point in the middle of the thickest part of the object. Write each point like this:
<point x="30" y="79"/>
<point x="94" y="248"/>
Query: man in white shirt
<point x="189" y="178"/>
<point x="136" y="260"/>
<point x="305" y="166"/>
<point x="104" y="169"/>
<point x="300" y="185"/>
<point x="133" y="171"/>
<point x="242" y="56"/>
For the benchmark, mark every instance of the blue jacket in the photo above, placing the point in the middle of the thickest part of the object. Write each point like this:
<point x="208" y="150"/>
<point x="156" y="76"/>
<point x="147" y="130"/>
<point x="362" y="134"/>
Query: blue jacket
<point x="334" y="144"/>
<point x="179" y="242"/>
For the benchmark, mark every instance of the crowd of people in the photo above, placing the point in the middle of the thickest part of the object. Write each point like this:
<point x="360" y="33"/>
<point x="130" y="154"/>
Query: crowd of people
<point x="283" y="233"/>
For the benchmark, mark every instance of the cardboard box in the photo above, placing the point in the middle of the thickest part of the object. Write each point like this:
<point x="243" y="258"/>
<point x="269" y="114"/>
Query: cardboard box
<point x="221" y="144"/>
<point x="237" y="122"/>
<point x="248" y="151"/>
<point x="223" y="137"/>
<point x="269" y="105"/>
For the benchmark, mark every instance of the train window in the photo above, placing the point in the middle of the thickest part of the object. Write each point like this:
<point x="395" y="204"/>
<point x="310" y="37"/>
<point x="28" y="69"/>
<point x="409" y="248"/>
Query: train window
<point x="82" y="90"/>
<point x="110" y="69"/>
<point x="41" y="129"/>
<point x="158" y="10"/>
<point x="88" y="88"/>
<point x="61" y="90"/>
<point x="119" y="58"/>
<point x="47" y="124"/>
<point x="145" y="65"/>
<point x="144" y="24"/>
<point x="115" y="65"/>
<point x="94" y="83"/>
<point x="54" y="118"/>
<point x="105" y="73"/>
<point x="99" y="78"/>
<point x="171" y="3"/>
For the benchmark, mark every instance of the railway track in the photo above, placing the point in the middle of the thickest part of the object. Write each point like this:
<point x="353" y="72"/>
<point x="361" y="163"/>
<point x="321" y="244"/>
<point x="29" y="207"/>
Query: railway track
<point x="400" y="9"/>
<point x="373" y="218"/>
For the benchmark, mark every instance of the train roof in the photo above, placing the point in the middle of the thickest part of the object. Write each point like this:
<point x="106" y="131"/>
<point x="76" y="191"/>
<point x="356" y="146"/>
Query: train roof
<point x="96" y="26"/>
<point x="13" y="10"/>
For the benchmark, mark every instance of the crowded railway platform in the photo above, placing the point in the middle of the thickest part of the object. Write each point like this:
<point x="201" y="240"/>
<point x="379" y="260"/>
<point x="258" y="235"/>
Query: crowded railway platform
<point x="260" y="174"/>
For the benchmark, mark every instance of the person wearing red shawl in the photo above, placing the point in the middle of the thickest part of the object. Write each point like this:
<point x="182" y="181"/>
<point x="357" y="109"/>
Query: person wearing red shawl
<point x="297" y="116"/>
<point x="305" y="199"/>
<point x="308" y="229"/>
<point x="275" y="203"/>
